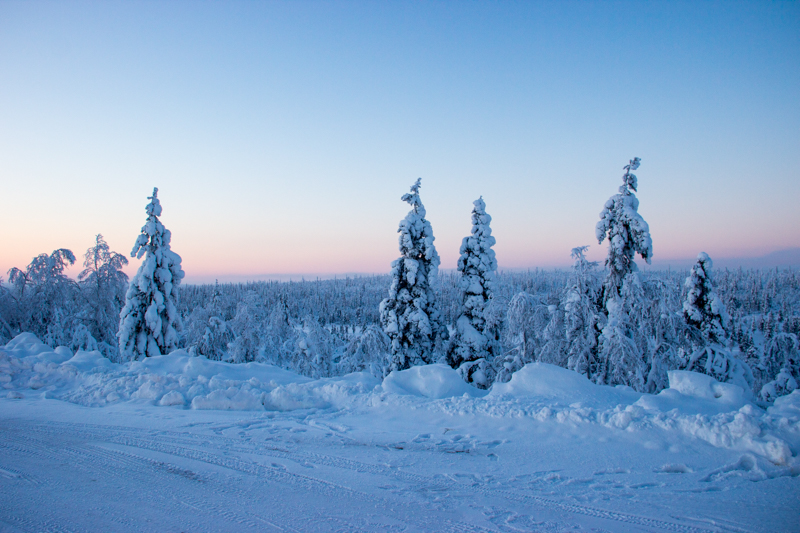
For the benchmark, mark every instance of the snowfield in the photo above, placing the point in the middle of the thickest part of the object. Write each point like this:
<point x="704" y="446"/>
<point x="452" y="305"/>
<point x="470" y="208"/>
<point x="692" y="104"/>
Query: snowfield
<point x="181" y="443"/>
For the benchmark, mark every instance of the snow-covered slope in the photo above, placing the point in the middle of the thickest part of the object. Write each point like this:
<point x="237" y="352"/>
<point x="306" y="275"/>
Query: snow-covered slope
<point x="420" y="451"/>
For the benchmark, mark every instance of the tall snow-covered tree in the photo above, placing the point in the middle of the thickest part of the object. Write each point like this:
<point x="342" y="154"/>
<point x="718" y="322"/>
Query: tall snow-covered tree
<point x="627" y="233"/>
<point x="475" y="344"/>
<point x="104" y="285"/>
<point x="149" y="322"/>
<point x="704" y="310"/>
<point x="409" y="315"/>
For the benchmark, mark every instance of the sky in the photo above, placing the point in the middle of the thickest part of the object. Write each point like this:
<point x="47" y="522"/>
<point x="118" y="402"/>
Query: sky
<point x="281" y="135"/>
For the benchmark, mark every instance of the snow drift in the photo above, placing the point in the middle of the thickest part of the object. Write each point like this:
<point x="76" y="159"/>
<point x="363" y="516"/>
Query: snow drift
<point x="694" y="405"/>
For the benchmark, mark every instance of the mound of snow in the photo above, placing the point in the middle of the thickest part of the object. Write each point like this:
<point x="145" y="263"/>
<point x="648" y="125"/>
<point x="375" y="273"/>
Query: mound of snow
<point x="429" y="381"/>
<point x="554" y="385"/>
<point x="180" y="363"/>
<point x="92" y="361"/>
<point x="706" y="387"/>
<point x="26" y="344"/>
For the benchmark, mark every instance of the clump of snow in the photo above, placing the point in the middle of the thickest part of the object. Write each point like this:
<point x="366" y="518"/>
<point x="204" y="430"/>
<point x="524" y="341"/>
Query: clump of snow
<point x="429" y="381"/>
<point x="705" y="387"/>
<point x="558" y="386"/>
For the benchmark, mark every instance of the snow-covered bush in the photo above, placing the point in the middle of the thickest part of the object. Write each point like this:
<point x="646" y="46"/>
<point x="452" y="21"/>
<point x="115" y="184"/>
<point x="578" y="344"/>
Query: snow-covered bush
<point x="313" y="350"/>
<point x="526" y="320"/>
<point x="475" y="344"/>
<point x="704" y="310"/>
<point x="409" y="315"/>
<point x="248" y="329"/>
<point x="149" y="322"/>
<point x="103" y="283"/>
<point x="207" y="333"/>
<point x="783" y="352"/>
<point x="47" y="300"/>
<point x="367" y="352"/>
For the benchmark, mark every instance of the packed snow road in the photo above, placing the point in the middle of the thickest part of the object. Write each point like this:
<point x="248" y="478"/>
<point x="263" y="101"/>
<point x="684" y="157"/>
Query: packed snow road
<point x="178" y="443"/>
<point x="315" y="471"/>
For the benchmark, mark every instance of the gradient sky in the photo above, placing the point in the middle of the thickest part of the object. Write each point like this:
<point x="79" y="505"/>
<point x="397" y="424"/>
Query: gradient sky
<point x="282" y="135"/>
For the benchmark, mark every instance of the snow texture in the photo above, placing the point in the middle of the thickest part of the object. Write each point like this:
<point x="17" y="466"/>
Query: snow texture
<point x="149" y="322"/>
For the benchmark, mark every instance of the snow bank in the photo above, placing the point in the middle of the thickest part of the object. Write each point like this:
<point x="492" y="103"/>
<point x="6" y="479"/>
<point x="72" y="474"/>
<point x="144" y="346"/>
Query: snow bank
<point x="174" y="380"/>
<point x="694" y="405"/>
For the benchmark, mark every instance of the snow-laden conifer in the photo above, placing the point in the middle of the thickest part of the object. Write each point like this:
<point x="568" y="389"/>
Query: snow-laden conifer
<point x="704" y="310"/>
<point x="149" y="322"/>
<point x="702" y="307"/>
<point x="409" y="315"/>
<point x="627" y="233"/>
<point x="580" y="315"/>
<point x="474" y="345"/>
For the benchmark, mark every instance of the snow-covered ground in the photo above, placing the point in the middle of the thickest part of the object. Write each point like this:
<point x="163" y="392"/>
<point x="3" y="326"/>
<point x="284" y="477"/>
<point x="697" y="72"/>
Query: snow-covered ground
<point x="179" y="443"/>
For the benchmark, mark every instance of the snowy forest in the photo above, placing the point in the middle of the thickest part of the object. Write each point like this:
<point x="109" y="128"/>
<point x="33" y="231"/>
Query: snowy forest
<point x="613" y="323"/>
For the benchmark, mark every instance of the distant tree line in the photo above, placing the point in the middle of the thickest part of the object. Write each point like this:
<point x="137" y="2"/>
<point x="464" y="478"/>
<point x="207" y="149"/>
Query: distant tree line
<point x="615" y="325"/>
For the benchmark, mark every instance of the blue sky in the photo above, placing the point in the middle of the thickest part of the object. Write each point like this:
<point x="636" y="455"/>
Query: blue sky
<point x="282" y="135"/>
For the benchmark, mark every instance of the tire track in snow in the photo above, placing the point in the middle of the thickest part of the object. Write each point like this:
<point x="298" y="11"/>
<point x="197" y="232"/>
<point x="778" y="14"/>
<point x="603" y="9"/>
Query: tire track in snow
<point x="104" y="459"/>
<point x="266" y="450"/>
<point x="179" y="444"/>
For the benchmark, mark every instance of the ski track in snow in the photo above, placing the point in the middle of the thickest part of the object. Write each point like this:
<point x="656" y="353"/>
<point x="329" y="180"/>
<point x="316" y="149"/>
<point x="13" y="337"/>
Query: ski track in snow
<point x="149" y="459"/>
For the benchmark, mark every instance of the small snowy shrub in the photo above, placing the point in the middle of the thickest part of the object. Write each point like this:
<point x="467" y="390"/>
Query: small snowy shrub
<point x="704" y="310"/>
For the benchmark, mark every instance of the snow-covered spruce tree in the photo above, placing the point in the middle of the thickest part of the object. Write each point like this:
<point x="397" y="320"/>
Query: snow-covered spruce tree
<point x="627" y="233"/>
<point x="580" y="314"/>
<point x="409" y="315"/>
<point x="620" y="359"/>
<point x="704" y="310"/>
<point x="104" y="284"/>
<point x="149" y="322"/>
<point x="474" y="346"/>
